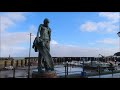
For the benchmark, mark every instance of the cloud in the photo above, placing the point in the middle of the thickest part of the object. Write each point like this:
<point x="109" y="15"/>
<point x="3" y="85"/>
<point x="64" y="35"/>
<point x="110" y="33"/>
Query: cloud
<point x="54" y="42"/>
<point x="15" y="16"/>
<point x="5" y="23"/>
<point x="91" y="43"/>
<point x="15" y="43"/>
<point x="109" y="25"/>
<point x="14" y="51"/>
<point x="8" y="39"/>
<point x="108" y="41"/>
<point x="77" y="51"/>
<point x="33" y="29"/>
<point x="57" y="50"/>
<point x="89" y="27"/>
<point x="106" y="27"/>
<point x="9" y="19"/>
<point x="113" y="16"/>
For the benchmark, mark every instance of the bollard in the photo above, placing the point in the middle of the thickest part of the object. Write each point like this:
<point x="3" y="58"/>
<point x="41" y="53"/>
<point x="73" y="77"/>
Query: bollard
<point x="59" y="61"/>
<point x="65" y="71"/>
<point x="14" y="72"/>
<point x="67" y="68"/>
<point x="70" y="66"/>
<point x="99" y="71"/>
<point x="112" y="72"/>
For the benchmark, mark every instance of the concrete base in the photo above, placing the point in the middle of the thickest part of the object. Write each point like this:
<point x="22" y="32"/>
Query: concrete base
<point x="49" y="74"/>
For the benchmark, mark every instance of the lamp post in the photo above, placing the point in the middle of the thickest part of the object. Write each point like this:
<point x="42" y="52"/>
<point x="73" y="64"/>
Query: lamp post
<point x="0" y="42"/>
<point x="29" y="57"/>
<point x="0" y="35"/>
<point x="119" y="38"/>
<point x="119" y="30"/>
<point x="99" y="69"/>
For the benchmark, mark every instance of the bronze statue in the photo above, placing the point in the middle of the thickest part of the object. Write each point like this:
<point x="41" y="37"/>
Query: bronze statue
<point x="42" y="46"/>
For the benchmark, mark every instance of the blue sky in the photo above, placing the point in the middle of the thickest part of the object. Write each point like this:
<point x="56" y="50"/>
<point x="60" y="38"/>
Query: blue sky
<point x="80" y="29"/>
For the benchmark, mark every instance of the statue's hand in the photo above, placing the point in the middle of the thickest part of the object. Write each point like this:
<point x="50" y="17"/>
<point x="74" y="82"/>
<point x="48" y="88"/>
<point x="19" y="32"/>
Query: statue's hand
<point x="39" y="40"/>
<point x="41" y="43"/>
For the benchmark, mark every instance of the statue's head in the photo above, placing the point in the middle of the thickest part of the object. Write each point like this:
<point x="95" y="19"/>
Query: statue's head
<point x="46" y="21"/>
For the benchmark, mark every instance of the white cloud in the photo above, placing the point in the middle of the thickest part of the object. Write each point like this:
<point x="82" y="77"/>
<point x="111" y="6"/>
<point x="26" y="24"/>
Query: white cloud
<point x="107" y="26"/>
<point x="89" y="26"/>
<point x="76" y="51"/>
<point x="9" y="19"/>
<point x="33" y="29"/>
<point x="14" y="51"/>
<point x="15" y="43"/>
<point x="15" y="16"/>
<point x="54" y="42"/>
<point x="108" y="41"/>
<point x="113" y="16"/>
<point x="5" y="23"/>
<point x="8" y="39"/>
<point x="57" y="50"/>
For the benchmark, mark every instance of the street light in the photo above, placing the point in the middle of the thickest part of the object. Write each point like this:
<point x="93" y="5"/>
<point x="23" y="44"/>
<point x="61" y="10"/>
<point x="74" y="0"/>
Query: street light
<point x="29" y="57"/>
<point x="119" y="30"/>
<point x="0" y="40"/>
<point x="119" y="38"/>
<point x="0" y="34"/>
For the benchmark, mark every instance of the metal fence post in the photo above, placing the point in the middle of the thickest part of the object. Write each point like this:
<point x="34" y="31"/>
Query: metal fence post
<point x="67" y="68"/>
<point x="14" y="72"/>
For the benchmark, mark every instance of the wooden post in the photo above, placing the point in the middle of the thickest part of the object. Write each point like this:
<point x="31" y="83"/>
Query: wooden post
<point x="25" y="62"/>
<point x="5" y="63"/>
<point x="21" y="62"/>
<point x="16" y="63"/>
<point x="11" y="62"/>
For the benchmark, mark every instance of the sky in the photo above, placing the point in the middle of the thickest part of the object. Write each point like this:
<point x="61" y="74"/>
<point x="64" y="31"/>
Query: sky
<point x="74" y="34"/>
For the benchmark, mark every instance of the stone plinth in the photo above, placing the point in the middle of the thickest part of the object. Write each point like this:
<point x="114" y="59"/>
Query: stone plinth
<point x="49" y="74"/>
